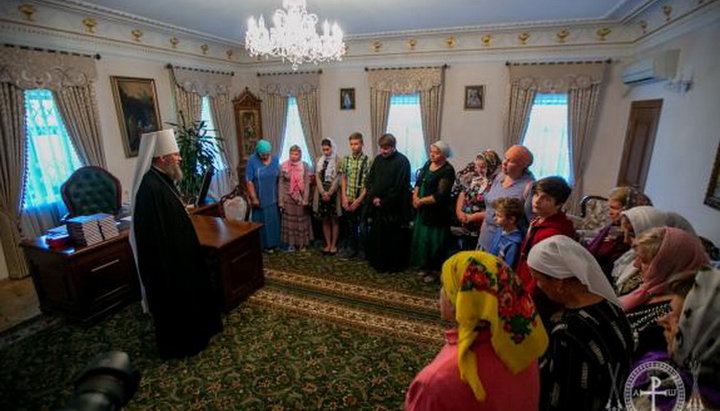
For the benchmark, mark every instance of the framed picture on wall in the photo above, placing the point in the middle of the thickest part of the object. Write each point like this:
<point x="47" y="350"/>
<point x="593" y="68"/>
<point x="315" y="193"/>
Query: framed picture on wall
<point x="712" y="198"/>
<point x="137" y="109"/>
<point x="474" y="97"/>
<point x="347" y="99"/>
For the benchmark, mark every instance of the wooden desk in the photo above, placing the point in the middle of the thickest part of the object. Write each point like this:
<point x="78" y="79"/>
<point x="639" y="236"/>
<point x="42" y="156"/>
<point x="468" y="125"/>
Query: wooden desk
<point x="234" y="255"/>
<point x="83" y="283"/>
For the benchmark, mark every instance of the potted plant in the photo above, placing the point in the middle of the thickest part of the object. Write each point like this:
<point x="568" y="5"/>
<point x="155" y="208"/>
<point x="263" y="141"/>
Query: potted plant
<point x="198" y="151"/>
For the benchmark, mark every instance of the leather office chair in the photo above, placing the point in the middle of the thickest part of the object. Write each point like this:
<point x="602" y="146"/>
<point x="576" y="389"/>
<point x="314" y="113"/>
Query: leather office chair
<point x="91" y="190"/>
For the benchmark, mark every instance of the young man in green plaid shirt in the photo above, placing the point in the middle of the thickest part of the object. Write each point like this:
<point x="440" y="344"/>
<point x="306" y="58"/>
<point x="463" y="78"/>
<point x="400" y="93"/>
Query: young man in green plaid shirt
<point x="354" y="169"/>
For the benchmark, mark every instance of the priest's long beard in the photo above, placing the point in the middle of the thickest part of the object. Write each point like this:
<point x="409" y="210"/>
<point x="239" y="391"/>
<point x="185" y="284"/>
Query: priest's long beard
<point x="173" y="171"/>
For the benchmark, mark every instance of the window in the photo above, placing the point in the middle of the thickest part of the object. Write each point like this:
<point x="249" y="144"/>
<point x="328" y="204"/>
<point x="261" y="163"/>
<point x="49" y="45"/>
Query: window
<point x="294" y="134"/>
<point x="206" y="116"/>
<point x="51" y="158"/>
<point x="405" y="123"/>
<point x="547" y="136"/>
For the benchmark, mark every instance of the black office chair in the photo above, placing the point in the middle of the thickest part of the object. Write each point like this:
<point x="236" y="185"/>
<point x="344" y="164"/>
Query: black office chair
<point x="91" y="190"/>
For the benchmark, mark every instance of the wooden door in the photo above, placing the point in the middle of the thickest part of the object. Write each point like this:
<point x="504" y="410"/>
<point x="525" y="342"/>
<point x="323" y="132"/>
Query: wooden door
<point x="639" y="143"/>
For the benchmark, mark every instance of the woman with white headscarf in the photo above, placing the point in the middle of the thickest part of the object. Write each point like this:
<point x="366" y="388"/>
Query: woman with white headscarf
<point x="431" y="199"/>
<point x="591" y="342"/>
<point x="634" y="222"/>
<point x="326" y="201"/>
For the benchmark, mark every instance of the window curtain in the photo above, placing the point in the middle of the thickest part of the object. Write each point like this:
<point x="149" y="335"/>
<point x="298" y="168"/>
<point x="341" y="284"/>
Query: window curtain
<point x="582" y="108"/>
<point x="190" y="85"/>
<point x="71" y="78"/>
<point x="12" y="168"/>
<point x="426" y="81"/>
<point x="222" y="113"/>
<point x="582" y="83"/>
<point x="275" y="90"/>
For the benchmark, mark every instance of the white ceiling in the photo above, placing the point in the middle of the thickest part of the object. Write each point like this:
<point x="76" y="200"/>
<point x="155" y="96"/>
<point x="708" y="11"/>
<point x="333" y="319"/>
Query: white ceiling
<point x="227" y="18"/>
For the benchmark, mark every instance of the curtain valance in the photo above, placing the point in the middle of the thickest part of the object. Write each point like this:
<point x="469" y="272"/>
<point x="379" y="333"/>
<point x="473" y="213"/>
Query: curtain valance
<point x="556" y="78"/>
<point x="204" y="83"/>
<point x="30" y="69"/>
<point x="290" y="84"/>
<point x="406" y="80"/>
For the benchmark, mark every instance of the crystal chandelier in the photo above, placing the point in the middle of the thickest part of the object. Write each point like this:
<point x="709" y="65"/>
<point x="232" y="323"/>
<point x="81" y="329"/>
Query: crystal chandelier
<point x="293" y="37"/>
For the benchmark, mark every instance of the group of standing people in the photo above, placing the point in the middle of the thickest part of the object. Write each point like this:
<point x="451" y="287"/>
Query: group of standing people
<point x="579" y="317"/>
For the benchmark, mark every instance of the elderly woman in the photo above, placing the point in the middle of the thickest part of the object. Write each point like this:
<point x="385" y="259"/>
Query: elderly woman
<point x="514" y="181"/>
<point x="690" y="332"/>
<point x="609" y="244"/>
<point x="489" y="362"/>
<point x="660" y="253"/>
<point x="295" y="175"/>
<point x="262" y="174"/>
<point x="471" y="188"/>
<point x="634" y="222"/>
<point x="591" y="342"/>
<point x="431" y="199"/>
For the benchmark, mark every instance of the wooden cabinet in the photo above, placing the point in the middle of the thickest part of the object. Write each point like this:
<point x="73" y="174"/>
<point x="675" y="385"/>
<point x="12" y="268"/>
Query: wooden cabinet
<point x="233" y="254"/>
<point x="84" y="283"/>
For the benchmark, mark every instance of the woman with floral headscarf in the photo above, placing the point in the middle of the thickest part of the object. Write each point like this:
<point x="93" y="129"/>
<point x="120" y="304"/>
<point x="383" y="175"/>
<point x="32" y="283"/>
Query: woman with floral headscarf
<point x="608" y="245"/>
<point x="471" y="185"/>
<point x="489" y="361"/>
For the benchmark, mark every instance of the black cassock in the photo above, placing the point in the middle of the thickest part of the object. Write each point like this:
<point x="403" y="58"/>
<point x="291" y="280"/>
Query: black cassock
<point x="176" y="280"/>
<point x="388" y="235"/>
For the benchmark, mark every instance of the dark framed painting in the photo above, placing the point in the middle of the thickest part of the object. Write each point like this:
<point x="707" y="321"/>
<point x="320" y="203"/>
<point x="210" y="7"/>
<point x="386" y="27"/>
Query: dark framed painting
<point x="249" y="126"/>
<point x="347" y="99"/>
<point x="137" y="109"/>
<point x="474" y="97"/>
<point x="712" y="197"/>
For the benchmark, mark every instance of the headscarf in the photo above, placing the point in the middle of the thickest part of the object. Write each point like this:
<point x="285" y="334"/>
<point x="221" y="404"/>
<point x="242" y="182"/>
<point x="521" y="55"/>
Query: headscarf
<point x="643" y="218"/>
<point x="562" y="257"/>
<point x="263" y="147"/>
<point x="296" y="171"/>
<point x="699" y="324"/>
<point x="443" y="147"/>
<point x="482" y="288"/>
<point x="492" y="163"/>
<point x="679" y="251"/>
<point x="330" y="172"/>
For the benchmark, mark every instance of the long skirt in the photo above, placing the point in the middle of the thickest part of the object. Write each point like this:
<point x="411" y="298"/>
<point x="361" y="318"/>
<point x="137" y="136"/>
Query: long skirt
<point x="296" y="226"/>
<point x="270" y="218"/>
<point x="429" y="245"/>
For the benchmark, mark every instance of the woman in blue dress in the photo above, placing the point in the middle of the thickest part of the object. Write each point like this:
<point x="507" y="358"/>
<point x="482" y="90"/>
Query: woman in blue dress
<point x="262" y="174"/>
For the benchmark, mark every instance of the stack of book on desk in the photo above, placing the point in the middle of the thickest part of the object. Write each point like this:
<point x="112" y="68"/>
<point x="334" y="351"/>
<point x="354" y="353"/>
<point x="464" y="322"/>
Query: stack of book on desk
<point x="92" y="229"/>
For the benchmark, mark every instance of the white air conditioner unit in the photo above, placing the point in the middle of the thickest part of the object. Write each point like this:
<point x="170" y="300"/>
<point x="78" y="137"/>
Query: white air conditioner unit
<point x="651" y="69"/>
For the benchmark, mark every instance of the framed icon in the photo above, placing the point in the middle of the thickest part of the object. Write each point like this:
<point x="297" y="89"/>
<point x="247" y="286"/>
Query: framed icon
<point x="474" y="97"/>
<point x="137" y="108"/>
<point x="347" y="99"/>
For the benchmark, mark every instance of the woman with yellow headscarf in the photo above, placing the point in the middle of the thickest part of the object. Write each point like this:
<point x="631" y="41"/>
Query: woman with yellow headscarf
<point x="489" y="361"/>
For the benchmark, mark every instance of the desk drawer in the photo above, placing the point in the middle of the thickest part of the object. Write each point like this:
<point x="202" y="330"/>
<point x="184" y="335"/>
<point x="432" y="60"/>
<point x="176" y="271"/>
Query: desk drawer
<point x="106" y="277"/>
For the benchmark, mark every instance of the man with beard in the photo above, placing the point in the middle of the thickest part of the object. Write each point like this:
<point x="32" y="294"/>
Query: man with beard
<point x="176" y="284"/>
<point x="387" y="208"/>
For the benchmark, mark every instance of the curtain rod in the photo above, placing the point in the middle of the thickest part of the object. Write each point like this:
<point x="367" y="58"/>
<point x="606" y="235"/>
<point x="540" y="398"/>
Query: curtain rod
<point x="227" y="73"/>
<point x="554" y="63"/>
<point x="284" y="73"/>
<point x="67" y="53"/>
<point x="404" y="68"/>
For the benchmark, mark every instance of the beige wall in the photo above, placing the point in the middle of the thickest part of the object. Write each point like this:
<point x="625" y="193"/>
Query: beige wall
<point x="688" y="133"/>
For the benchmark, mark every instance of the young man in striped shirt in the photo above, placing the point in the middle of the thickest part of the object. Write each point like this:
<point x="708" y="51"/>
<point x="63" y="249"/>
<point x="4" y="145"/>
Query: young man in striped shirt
<point x="354" y="169"/>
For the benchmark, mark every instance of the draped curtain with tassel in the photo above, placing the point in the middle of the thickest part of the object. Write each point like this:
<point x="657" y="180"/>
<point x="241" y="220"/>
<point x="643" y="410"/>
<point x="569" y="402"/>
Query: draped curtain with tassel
<point x="71" y="78"/>
<point x="426" y="81"/>
<point x="582" y="83"/>
<point x="275" y="90"/>
<point x="12" y="166"/>
<point x="190" y="86"/>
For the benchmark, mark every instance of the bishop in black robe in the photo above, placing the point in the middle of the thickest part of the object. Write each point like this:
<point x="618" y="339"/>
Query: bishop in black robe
<point x="172" y="268"/>
<point x="388" y="235"/>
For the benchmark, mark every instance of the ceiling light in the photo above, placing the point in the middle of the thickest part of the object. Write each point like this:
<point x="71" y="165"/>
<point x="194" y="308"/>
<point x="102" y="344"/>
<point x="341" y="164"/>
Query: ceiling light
<point x="293" y="37"/>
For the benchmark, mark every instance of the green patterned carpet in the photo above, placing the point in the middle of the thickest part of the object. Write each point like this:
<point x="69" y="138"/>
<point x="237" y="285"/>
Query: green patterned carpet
<point x="325" y="333"/>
